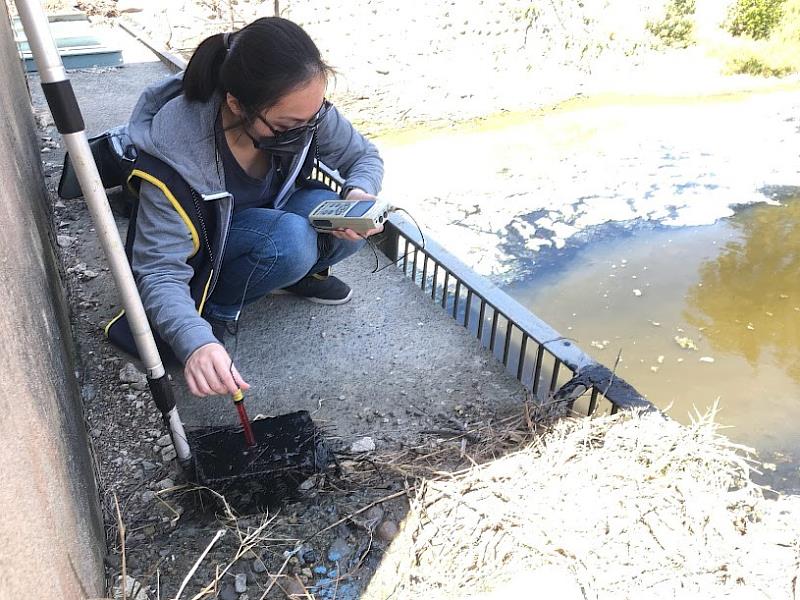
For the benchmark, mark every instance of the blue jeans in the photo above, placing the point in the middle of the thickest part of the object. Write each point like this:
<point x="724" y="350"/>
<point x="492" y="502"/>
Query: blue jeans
<point x="274" y="249"/>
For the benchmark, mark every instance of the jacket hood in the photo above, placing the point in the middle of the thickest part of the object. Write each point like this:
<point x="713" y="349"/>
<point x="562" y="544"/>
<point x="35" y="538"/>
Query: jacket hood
<point x="180" y="133"/>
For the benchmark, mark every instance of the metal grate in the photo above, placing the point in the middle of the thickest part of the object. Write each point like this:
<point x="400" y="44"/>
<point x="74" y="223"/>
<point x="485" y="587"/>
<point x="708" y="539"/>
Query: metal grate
<point x="545" y="362"/>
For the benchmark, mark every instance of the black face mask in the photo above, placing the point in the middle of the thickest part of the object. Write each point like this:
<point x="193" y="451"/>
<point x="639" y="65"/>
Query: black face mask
<point x="292" y="141"/>
<point x="287" y="143"/>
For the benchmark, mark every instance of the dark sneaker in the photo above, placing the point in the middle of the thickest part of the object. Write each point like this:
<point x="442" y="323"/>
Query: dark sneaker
<point x="321" y="288"/>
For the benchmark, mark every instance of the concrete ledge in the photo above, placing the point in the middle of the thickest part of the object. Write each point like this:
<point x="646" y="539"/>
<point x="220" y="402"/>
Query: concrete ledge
<point x="389" y="362"/>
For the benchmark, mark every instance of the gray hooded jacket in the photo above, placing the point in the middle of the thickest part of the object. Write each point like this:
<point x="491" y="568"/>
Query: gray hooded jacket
<point x="181" y="134"/>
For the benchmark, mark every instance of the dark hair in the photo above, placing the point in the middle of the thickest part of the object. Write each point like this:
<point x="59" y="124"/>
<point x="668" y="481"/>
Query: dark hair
<point x="265" y="60"/>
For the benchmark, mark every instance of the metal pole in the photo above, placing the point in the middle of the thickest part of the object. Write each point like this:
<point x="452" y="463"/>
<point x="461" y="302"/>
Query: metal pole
<point x="68" y="119"/>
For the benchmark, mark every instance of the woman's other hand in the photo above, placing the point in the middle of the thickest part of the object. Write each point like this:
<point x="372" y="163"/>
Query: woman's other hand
<point x="349" y="234"/>
<point x="208" y="372"/>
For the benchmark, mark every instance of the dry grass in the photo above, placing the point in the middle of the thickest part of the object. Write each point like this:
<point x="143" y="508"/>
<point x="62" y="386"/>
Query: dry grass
<point x="627" y="506"/>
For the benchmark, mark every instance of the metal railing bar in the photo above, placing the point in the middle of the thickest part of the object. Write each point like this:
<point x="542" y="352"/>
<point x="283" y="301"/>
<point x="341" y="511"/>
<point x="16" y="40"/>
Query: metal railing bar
<point x="554" y="379"/>
<point x="424" y="272"/>
<point x="593" y="401"/>
<point x="467" y="308"/>
<point x="433" y="283"/>
<point x="456" y="296"/>
<point x="446" y="289"/>
<point x="414" y="266"/>
<point x="493" y="335"/>
<point x="405" y="257"/>
<point x="507" y="341"/>
<point x="537" y="369"/>
<point x="481" y="317"/>
<point x="522" y="349"/>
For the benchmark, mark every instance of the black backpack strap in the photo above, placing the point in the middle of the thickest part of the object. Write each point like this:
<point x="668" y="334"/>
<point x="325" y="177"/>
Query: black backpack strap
<point x="180" y="196"/>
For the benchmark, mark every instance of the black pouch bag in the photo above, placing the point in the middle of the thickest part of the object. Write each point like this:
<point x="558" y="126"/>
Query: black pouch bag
<point x="114" y="154"/>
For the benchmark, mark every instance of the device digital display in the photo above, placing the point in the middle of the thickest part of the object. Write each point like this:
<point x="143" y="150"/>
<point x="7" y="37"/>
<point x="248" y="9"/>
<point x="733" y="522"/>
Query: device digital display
<point x="360" y="208"/>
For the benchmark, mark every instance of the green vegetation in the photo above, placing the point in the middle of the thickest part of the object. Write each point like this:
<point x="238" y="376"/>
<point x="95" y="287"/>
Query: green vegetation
<point x="767" y="38"/>
<point x="755" y="18"/>
<point x="676" y="29"/>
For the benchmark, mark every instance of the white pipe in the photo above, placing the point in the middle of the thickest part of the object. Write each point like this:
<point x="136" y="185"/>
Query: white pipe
<point x="51" y="70"/>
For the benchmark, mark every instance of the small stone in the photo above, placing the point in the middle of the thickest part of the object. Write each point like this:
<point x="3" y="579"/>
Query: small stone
<point x="130" y="374"/>
<point x="133" y="589"/>
<point x="139" y="385"/>
<point x="637" y="292"/>
<point x="769" y="466"/>
<point x="65" y="241"/>
<point x="706" y="359"/>
<point x="387" y="531"/>
<point x="95" y="433"/>
<point x="294" y="589"/>
<point x="308" y="484"/>
<point x="164" y="441"/>
<point x="259" y="566"/>
<point x="148" y="496"/>
<point x="365" y="444"/>
<point x="165" y="484"/>
<point x="339" y="550"/>
<point x="90" y="274"/>
<point x="240" y="583"/>
<point x="168" y="454"/>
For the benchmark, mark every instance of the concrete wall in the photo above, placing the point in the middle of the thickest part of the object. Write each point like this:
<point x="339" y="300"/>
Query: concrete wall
<point x="51" y="537"/>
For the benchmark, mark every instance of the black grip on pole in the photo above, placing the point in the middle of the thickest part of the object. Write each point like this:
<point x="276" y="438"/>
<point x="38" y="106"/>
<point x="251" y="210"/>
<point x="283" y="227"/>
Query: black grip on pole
<point x="63" y="106"/>
<point x="162" y="393"/>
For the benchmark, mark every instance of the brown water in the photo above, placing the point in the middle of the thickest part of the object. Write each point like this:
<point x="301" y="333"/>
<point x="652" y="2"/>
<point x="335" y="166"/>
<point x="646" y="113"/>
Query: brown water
<point x="732" y="289"/>
<point x="614" y="219"/>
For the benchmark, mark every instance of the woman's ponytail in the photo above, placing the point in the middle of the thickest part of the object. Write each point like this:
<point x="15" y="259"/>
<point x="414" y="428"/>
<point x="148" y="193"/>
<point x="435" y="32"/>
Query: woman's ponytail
<point x="202" y="77"/>
<point x="258" y="65"/>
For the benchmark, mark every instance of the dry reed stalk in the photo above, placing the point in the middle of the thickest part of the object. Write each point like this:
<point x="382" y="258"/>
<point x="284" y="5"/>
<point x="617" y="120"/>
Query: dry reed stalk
<point x="623" y="505"/>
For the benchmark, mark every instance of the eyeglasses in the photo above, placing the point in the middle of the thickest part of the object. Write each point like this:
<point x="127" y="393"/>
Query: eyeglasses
<point x="295" y="133"/>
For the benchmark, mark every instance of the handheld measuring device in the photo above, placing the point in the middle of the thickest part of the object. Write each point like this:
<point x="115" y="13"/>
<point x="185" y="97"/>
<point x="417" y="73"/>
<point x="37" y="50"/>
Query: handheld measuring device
<point x="358" y="215"/>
